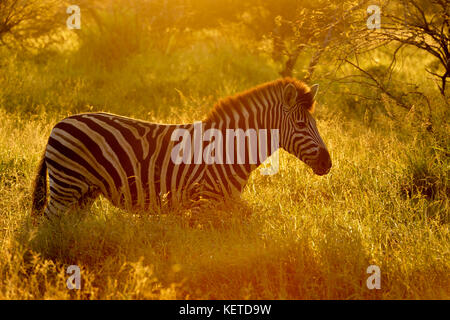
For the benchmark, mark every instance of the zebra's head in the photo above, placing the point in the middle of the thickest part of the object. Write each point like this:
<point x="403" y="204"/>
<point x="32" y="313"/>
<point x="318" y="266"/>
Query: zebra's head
<point x="300" y="136"/>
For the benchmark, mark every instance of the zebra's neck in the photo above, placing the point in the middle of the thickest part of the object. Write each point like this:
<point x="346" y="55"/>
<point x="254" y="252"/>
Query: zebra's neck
<point x="258" y="110"/>
<point x="260" y="104"/>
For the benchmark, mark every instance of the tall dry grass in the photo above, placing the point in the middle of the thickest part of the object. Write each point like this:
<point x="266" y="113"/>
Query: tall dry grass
<point x="292" y="236"/>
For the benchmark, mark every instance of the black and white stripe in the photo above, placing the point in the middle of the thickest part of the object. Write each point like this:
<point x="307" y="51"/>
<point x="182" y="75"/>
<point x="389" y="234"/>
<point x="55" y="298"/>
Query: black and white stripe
<point x="129" y="161"/>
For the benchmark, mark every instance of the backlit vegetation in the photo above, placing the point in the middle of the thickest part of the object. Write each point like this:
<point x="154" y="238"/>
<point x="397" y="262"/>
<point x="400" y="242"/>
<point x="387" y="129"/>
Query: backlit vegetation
<point x="293" y="235"/>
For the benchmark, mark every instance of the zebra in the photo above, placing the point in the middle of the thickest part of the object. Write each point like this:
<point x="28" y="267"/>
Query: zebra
<point x="129" y="161"/>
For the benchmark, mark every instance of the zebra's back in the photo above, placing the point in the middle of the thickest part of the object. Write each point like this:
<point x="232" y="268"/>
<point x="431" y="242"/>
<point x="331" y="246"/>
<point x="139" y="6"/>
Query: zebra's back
<point x="126" y="160"/>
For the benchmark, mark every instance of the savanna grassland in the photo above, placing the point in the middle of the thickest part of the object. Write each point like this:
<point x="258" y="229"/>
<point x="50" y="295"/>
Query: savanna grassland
<point x="293" y="235"/>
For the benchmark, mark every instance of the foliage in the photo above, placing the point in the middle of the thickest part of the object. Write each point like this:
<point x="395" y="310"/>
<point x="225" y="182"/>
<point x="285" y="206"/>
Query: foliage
<point x="293" y="235"/>
<point x="29" y="23"/>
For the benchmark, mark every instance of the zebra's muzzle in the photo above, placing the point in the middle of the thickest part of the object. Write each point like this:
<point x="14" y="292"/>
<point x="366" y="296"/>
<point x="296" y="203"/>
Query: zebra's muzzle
<point x="323" y="163"/>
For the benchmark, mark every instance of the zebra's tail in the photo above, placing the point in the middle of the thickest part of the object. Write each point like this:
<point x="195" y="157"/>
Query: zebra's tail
<point x="40" y="189"/>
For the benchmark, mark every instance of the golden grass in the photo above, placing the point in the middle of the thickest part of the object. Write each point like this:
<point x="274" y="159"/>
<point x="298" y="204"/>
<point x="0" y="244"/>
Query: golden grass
<point x="293" y="236"/>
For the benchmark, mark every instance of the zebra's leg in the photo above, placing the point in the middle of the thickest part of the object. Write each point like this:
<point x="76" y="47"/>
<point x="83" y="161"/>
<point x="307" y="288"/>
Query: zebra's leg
<point x="65" y="194"/>
<point x="200" y="203"/>
<point x="59" y="205"/>
<point x="88" y="198"/>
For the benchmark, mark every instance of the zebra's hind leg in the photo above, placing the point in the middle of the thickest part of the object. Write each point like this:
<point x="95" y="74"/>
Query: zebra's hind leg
<point x="88" y="198"/>
<point x="59" y="204"/>
<point x="62" y="201"/>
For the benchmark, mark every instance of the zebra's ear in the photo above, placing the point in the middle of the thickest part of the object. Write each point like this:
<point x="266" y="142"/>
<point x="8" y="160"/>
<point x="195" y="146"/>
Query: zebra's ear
<point x="314" y="89"/>
<point x="289" y="95"/>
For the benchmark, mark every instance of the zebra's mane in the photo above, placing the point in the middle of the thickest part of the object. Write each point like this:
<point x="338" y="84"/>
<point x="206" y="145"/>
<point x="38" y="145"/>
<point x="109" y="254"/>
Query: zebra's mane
<point x="232" y="102"/>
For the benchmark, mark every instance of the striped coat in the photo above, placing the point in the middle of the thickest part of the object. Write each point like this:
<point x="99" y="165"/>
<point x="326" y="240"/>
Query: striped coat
<point x="131" y="162"/>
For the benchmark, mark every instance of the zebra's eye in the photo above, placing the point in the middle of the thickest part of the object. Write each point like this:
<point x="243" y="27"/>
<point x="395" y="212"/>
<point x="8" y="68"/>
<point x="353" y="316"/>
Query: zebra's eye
<point x="301" y="124"/>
